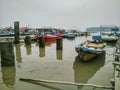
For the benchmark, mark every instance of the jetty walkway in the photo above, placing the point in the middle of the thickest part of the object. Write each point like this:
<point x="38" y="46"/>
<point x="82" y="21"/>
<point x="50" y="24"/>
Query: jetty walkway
<point x="116" y="76"/>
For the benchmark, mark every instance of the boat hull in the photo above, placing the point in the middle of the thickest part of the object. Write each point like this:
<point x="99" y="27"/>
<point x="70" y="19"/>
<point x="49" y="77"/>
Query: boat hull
<point x="111" y="39"/>
<point x="86" y="56"/>
<point x="49" y="37"/>
<point x="86" y="53"/>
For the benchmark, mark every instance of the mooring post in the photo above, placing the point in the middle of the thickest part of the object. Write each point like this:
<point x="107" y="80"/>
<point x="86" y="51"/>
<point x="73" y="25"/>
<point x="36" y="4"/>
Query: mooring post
<point x="28" y="49"/>
<point x="59" y="43"/>
<point x="59" y="54"/>
<point x="42" y="41"/>
<point x="16" y="30"/>
<point x="18" y="53"/>
<point x="42" y="51"/>
<point x="27" y="40"/>
<point x="8" y="76"/>
<point x="7" y="54"/>
<point x="86" y="34"/>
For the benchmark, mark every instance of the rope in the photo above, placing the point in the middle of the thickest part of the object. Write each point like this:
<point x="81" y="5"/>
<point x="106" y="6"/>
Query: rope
<point x="68" y="83"/>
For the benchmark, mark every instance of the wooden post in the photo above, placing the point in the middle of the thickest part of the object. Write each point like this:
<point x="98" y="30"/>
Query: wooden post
<point x="8" y="76"/>
<point x="59" y="54"/>
<point x="18" y="53"/>
<point x="42" y="51"/>
<point x="7" y="53"/>
<point x="59" y="44"/>
<point x="27" y="40"/>
<point x="28" y="49"/>
<point x="42" y="41"/>
<point x="16" y="30"/>
<point x="86" y="34"/>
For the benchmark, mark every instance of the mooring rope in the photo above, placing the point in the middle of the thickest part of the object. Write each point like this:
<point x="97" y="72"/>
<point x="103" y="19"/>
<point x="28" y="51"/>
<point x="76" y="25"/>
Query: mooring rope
<point x="68" y="83"/>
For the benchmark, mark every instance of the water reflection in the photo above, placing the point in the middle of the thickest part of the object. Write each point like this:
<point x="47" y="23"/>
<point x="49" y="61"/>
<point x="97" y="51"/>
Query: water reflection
<point x="28" y="49"/>
<point x="42" y="51"/>
<point x="8" y="76"/>
<point x="83" y="71"/>
<point x="110" y="44"/>
<point x="59" y="54"/>
<point x="18" y="53"/>
<point x="49" y="43"/>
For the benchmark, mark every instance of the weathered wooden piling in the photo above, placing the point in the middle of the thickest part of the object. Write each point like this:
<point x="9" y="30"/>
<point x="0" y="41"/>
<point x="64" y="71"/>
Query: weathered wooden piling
<point x="59" y="43"/>
<point x="86" y="34"/>
<point x="42" y="41"/>
<point x="18" y="53"/>
<point x="42" y="51"/>
<point x="9" y="75"/>
<point x="16" y="30"/>
<point x="27" y="40"/>
<point x="7" y="54"/>
<point x="59" y="54"/>
<point x="28" y="49"/>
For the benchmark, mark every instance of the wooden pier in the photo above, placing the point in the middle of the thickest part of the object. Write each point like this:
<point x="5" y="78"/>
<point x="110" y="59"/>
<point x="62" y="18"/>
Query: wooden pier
<point x="116" y="77"/>
<point x="11" y="38"/>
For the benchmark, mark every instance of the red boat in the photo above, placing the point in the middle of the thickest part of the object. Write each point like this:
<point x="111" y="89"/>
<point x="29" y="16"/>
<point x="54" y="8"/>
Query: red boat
<point x="49" y="37"/>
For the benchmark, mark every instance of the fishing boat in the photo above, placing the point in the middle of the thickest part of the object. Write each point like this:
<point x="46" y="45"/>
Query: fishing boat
<point x="109" y="38"/>
<point x="69" y="35"/>
<point x="90" y="49"/>
<point x="50" y="34"/>
<point x="49" y="37"/>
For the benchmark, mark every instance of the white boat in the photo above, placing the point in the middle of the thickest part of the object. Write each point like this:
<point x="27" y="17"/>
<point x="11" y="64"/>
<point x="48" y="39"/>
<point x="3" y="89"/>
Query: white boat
<point x="109" y="38"/>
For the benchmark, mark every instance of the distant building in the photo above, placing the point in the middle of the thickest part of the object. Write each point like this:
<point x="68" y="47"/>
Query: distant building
<point x="103" y="29"/>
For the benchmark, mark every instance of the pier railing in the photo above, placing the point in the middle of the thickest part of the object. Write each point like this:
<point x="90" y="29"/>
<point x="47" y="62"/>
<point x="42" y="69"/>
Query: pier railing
<point x="116" y="76"/>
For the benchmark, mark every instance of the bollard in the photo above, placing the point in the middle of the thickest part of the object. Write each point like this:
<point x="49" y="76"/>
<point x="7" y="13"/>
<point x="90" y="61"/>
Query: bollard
<point x="42" y="41"/>
<point x="27" y="40"/>
<point x="59" y="44"/>
<point x="7" y="54"/>
<point x="16" y="30"/>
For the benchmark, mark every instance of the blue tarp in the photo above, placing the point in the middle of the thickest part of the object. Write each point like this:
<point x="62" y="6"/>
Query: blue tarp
<point x="97" y="37"/>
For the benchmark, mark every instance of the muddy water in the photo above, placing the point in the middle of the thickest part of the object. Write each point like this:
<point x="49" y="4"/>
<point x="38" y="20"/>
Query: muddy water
<point x="63" y="65"/>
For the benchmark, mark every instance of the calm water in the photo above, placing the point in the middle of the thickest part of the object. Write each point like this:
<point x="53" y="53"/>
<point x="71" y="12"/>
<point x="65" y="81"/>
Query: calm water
<point x="49" y="64"/>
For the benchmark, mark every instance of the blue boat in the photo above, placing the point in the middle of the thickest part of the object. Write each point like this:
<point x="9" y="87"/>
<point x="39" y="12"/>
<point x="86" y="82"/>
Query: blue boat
<point x="69" y="36"/>
<point x="89" y="49"/>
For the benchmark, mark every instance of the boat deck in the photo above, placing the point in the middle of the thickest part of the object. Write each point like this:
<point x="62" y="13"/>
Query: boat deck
<point x="94" y="45"/>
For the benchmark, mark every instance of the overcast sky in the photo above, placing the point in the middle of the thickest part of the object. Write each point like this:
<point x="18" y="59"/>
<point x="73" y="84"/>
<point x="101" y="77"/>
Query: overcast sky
<point x="66" y="14"/>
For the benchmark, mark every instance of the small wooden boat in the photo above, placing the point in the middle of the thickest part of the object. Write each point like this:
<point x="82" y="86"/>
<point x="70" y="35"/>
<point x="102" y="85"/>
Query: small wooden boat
<point x="90" y="49"/>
